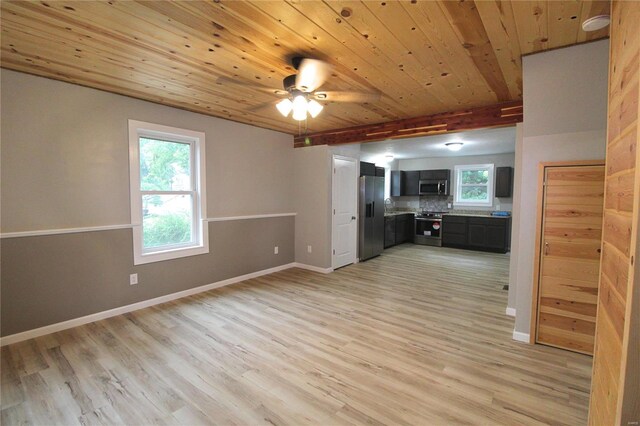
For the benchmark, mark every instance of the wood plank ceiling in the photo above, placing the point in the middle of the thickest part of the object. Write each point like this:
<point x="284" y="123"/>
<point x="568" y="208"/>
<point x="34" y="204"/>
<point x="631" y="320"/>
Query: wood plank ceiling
<point x="423" y="57"/>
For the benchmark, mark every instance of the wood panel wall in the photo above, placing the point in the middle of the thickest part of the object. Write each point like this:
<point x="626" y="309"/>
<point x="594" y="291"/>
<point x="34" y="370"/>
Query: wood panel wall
<point x="614" y="393"/>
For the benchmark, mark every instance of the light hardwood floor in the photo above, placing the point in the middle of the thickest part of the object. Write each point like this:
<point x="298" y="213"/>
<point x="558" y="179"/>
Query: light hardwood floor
<point x="416" y="336"/>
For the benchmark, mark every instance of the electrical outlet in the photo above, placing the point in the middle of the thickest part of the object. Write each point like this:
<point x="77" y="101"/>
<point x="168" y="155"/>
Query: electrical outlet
<point x="448" y="205"/>
<point x="275" y="250"/>
<point x="133" y="279"/>
<point x="308" y="249"/>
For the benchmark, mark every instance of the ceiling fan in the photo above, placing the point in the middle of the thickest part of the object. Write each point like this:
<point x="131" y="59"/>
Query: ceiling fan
<point x="301" y="90"/>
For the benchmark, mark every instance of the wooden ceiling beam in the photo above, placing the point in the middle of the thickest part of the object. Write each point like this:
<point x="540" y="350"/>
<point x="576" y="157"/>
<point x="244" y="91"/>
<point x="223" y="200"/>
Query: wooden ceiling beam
<point x="503" y="114"/>
<point x="467" y="23"/>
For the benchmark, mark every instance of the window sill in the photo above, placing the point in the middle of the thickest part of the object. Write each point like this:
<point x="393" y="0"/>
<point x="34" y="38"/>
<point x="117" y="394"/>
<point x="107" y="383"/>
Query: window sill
<point x="159" y="256"/>
<point x="463" y="205"/>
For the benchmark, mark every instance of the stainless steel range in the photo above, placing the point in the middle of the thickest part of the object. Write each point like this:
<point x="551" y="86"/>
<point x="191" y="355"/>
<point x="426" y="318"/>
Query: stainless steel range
<point x="428" y="228"/>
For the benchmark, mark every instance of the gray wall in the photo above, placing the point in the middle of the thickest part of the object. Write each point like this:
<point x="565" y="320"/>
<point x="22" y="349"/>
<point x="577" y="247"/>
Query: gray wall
<point x="499" y="160"/>
<point x="312" y="195"/>
<point x="65" y="157"/>
<point x="515" y="220"/>
<point x="65" y="164"/>
<point x="54" y="278"/>
<point x="565" y="111"/>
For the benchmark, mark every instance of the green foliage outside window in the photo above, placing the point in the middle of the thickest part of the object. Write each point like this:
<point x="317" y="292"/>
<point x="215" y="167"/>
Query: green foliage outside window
<point x="165" y="166"/>
<point x="474" y="185"/>
<point x="475" y="177"/>
<point x="166" y="230"/>
<point x="475" y="193"/>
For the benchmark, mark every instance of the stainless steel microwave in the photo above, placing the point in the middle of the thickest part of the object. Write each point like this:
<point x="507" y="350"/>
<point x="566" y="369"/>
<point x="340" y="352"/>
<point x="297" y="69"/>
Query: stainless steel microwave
<point x="434" y="187"/>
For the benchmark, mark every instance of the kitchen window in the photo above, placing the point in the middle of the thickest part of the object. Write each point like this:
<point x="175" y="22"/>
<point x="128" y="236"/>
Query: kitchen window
<point x="474" y="185"/>
<point x="167" y="186"/>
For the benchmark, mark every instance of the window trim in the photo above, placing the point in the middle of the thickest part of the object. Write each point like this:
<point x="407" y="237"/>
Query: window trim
<point x="196" y="139"/>
<point x="490" y="184"/>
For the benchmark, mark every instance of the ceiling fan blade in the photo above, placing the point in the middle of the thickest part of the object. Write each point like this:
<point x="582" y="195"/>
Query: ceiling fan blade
<point x="332" y="96"/>
<point x="226" y="81"/>
<point x="312" y="73"/>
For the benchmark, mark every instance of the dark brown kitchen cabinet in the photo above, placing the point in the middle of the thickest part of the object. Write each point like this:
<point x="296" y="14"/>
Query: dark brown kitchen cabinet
<point x="439" y="174"/>
<point x="411" y="228"/>
<point x="398" y="229"/>
<point x="504" y="182"/>
<point x="411" y="182"/>
<point x="367" y="169"/>
<point x="454" y="231"/>
<point x="477" y="233"/>
<point x="396" y="183"/>
<point x="401" y="228"/>
<point x="389" y="231"/>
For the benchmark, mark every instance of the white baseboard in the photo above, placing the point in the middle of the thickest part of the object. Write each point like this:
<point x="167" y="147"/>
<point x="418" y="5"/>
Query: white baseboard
<point x="511" y="311"/>
<point x="313" y="268"/>
<point x="48" y="329"/>
<point x="520" y="337"/>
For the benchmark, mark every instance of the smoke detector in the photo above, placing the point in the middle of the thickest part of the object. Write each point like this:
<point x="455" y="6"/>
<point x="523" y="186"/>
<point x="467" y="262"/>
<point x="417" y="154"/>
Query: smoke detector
<point x="596" y="23"/>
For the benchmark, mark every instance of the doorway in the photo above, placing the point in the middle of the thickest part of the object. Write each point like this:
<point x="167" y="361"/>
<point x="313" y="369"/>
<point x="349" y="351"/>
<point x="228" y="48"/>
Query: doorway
<point x="568" y="247"/>
<point x="344" y="211"/>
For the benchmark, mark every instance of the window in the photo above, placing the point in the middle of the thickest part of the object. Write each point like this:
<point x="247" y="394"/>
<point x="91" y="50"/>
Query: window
<point x="168" y="205"/>
<point x="474" y="185"/>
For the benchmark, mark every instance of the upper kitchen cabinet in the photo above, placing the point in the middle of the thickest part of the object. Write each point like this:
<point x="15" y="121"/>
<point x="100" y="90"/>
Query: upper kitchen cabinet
<point x="367" y="169"/>
<point x="407" y="182"/>
<point x="504" y="182"/>
<point x="396" y="183"/>
<point x="410" y="183"/>
<point x="441" y="174"/>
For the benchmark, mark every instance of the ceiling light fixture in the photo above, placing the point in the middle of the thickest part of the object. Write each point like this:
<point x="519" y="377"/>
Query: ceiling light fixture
<point x="596" y="23"/>
<point x="314" y="108"/>
<point x="388" y="157"/>
<point x="285" y="106"/>
<point x="454" y="146"/>
<point x="300" y="107"/>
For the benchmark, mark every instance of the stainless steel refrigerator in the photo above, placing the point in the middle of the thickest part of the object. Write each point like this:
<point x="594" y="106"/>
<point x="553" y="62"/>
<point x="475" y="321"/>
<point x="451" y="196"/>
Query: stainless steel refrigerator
<point x="371" y="212"/>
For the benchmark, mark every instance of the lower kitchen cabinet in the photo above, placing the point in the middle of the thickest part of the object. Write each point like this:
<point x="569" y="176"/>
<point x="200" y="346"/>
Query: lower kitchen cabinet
<point x="389" y="231"/>
<point x="398" y="229"/>
<point x="401" y="229"/>
<point x="477" y="233"/>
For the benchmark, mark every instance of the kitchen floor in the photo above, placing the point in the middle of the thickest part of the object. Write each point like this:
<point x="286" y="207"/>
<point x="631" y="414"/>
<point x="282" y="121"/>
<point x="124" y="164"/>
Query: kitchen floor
<point x="415" y="336"/>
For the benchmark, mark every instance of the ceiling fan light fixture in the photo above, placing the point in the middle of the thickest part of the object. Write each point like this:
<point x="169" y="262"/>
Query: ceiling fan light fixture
<point x="284" y="106"/>
<point x="454" y="146"/>
<point x="300" y="108"/>
<point x="596" y="23"/>
<point x="314" y="108"/>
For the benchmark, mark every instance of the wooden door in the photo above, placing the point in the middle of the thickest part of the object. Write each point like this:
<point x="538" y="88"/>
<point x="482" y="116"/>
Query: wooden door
<point x="345" y="210"/>
<point x="569" y="263"/>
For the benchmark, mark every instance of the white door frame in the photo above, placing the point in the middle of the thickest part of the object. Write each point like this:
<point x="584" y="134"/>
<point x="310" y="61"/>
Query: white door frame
<point x="333" y="216"/>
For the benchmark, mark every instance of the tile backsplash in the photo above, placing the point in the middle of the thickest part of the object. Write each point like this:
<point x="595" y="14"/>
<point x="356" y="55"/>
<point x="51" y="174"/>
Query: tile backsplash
<point x="439" y="204"/>
<point x="429" y="202"/>
<point x="435" y="203"/>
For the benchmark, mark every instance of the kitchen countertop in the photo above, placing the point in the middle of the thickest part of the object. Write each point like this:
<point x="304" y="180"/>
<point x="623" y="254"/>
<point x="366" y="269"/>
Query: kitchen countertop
<point x="389" y="214"/>
<point x="487" y="214"/>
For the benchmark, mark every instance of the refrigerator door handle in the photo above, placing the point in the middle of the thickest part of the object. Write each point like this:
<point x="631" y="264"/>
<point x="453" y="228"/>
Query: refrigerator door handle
<point x="373" y="209"/>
